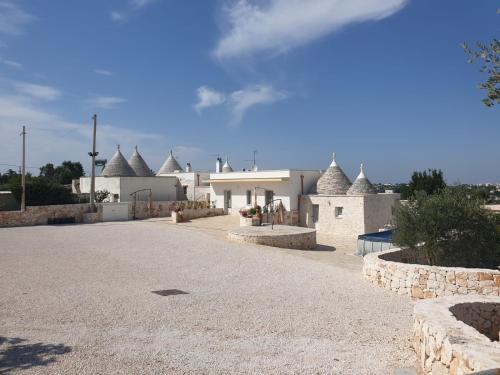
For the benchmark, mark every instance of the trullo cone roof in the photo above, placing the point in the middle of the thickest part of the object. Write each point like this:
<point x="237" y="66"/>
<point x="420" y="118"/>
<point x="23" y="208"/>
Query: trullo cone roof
<point x="333" y="181"/>
<point x="361" y="185"/>
<point x="118" y="166"/>
<point x="138" y="164"/>
<point x="170" y="166"/>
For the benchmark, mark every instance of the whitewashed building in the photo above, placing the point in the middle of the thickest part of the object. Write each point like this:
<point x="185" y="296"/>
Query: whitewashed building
<point x="236" y="190"/>
<point x="193" y="183"/>
<point x="341" y="210"/>
<point x="122" y="178"/>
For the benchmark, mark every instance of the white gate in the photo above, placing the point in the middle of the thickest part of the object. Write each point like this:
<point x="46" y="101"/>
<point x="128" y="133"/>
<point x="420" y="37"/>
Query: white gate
<point x="114" y="211"/>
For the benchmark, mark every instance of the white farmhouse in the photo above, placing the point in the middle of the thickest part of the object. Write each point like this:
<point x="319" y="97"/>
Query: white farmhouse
<point x="236" y="190"/>
<point x="123" y="178"/>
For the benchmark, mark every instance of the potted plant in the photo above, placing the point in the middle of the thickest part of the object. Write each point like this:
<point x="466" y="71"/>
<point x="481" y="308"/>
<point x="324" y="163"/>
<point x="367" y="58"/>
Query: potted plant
<point x="177" y="215"/>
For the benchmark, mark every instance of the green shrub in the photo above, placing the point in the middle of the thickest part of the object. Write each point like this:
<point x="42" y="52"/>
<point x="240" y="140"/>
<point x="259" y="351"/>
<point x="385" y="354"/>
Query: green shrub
<point x="451" y="228"/>
<point x="40" y="192"/>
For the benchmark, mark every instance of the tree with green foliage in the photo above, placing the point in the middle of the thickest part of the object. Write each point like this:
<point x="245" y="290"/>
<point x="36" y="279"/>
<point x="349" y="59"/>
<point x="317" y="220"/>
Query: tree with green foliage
<point x="62" y="174"/>
<point x="430" y="182"/>
<point x="489" y="55"/>
<point x="41" y="192"/>
<point x="451" y="228"/>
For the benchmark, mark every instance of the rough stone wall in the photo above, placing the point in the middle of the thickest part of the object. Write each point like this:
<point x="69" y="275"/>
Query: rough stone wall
<point x="305" y="240"/>
<point x="289" y="218"/>
<point x="420" y="281"/>
<point x="39" y="215"/>
<point x="484" y="317"/>
<point x="445" y="345"/>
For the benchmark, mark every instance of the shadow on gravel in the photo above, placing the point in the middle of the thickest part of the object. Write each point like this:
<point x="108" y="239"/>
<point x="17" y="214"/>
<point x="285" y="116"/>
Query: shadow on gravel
<point x="16" y="355"/>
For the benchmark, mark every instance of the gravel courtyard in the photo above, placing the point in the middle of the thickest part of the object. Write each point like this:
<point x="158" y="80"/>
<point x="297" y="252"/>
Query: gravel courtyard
<point x="78" y="299"/>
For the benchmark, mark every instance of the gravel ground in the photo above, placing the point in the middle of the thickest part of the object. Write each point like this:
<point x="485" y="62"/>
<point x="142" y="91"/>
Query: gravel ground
<point x="78" y="300"/>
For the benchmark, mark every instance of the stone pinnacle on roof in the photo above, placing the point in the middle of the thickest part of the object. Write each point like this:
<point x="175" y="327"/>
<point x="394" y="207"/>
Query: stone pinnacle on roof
<point x="118" y="166"/>
<point x="170" y="166"/>
<point x="226" y="167"/>
<point x="333" y="181"/>
<point x="361" y="185"/>
<point x="138" y="164"/>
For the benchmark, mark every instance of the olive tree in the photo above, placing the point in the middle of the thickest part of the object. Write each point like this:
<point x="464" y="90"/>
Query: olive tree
<point x="451" y="228"/>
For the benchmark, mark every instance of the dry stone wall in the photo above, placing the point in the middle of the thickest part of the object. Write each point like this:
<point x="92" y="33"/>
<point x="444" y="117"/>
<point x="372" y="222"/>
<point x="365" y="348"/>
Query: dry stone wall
<point x="447" y="345"/>
<point x="40" y="215"/>
<point x="386" y="269"/>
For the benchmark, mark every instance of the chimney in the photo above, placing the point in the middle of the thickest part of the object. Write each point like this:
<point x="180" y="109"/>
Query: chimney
<point x="218" y="165"/>
<point x="188" y="167"/>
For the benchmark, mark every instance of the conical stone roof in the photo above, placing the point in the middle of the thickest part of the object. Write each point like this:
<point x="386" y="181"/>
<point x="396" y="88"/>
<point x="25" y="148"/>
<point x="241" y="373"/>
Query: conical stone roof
<point x="170" y="166"/>
<point x="226" y="167"/>
<point x="333" y="181"/>
<point x="118" y="166"/>
<point x="361" y="185"/>
<point x="138" y="164"/>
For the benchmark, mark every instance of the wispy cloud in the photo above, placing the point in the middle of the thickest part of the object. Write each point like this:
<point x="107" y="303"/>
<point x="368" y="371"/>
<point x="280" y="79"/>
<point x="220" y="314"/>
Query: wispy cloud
<point x="277" y="26"/>
<point x="12" y="18"/>
<point x="121" y="16"/>
<point x="12" y="64"/>
<point x="105" y="102"/>
<point x="207" y="98"/>
<point x="240" y="101"/>
<point x="52" y="138"/>
<point x="243" y="100"/>
<point x="103" y="72"/>
<point x="37" y="91"/>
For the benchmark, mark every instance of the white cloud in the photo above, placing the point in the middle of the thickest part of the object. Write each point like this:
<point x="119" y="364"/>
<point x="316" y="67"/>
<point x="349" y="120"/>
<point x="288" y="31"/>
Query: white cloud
<point x="12" y="64"/>
<point x="118" y="16"/>
<point x="133" y="5"/>
<point x="238" y="102"/>
<point x="37" y="91"/>
<point x="140" y="3"/>
<point x="105" y="102"/>
<point x="51" y="138"/>
<point x="243" y="100"/>
<point x="103" y="72"/>
<point x="280" y="25"/>
<point x="12" y="18"/>
<point x="208" y="97"/>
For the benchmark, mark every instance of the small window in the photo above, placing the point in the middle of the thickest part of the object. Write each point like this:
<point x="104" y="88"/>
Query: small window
<point x="185" y="189"/>
<point x="315" y="213"/>
<point x="249" y="197"/>
<point x="269" y="196"/>
<point x="338" y="212"/>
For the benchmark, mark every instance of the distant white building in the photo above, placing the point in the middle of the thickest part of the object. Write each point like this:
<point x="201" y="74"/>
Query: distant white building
<point x="193" y="183"/>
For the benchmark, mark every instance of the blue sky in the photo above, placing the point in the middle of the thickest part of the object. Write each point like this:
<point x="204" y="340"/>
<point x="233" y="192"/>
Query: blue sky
<point x="383" y="82"/>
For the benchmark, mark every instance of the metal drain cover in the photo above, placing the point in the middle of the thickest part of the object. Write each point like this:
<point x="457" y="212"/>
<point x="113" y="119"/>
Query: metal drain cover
<point x="169" y="292"/>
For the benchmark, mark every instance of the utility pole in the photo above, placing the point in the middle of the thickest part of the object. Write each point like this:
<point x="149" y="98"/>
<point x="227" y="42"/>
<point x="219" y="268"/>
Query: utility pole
<point x="93" y="154"/>
<point x="23" y="172"/>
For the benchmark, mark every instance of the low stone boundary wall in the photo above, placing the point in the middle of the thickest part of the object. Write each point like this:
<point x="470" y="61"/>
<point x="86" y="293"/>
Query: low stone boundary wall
<point x="445" y="344"/>
<point x="284" y="236"/>
<point x="421" y="281"/>
<point x="40" y="215"/>
<point x="289" y="218"/>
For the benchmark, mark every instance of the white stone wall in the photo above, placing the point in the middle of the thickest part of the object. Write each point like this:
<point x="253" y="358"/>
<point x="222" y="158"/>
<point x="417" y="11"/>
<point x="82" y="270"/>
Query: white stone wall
<point x="447" y="345"/>
<point x="361" y="214"/>
<point x="421" y="281"/>
<point x="194" y="181"/>
<point x="379" y="210"/>
<point x="340" y="231"/>
<point x="163" y="188"/>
